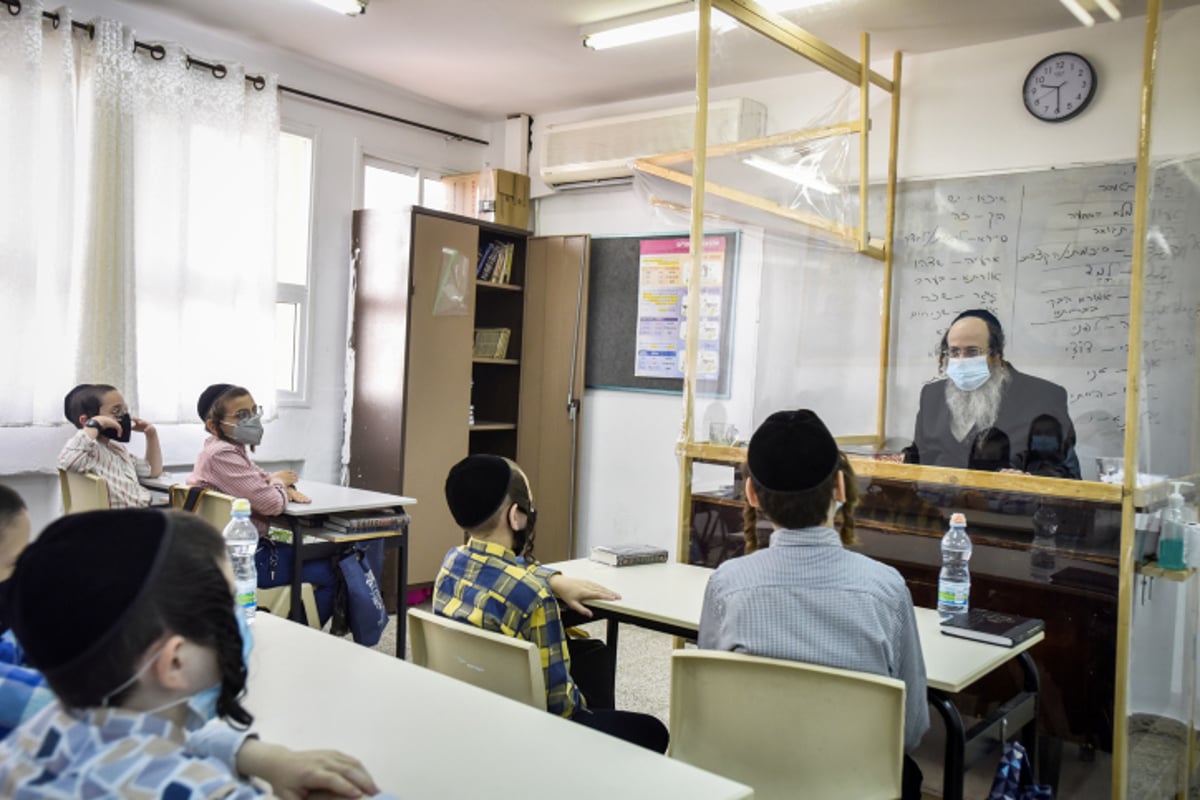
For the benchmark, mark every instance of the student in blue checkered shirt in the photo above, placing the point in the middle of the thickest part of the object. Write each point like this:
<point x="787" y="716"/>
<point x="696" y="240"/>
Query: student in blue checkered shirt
<point x="130" y="615"/>
<point x="492" y="583"/>
<point x="23" y="690"/>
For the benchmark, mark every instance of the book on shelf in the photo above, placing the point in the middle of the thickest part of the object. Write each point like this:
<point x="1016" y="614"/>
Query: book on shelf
<point x="491" y="343"/>
<point x="993" y="627"/>
<point x="503" y="272"/>
<point x="483" y="259"/>
<point x="628" y="555"/>
<point x="374" y="522"/>
<point x="490" y="262"/>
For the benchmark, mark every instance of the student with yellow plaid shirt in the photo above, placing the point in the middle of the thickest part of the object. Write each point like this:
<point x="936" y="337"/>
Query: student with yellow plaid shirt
<point x="484" y="583"/>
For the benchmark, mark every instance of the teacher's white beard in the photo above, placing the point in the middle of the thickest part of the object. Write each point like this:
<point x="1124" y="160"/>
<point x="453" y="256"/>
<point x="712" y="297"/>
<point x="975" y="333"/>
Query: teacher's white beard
<point x="976" y="410"/>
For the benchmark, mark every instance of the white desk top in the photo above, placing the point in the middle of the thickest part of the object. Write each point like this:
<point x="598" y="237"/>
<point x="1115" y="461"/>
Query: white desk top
<point x="674" y="593"/>
<point x="327" y="498"/>
<point x="421" y="734"/>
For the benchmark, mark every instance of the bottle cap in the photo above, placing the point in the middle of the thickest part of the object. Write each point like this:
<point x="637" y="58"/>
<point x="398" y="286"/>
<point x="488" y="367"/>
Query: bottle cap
<point x="958" y="518"/>
<point x="241" y="506"/>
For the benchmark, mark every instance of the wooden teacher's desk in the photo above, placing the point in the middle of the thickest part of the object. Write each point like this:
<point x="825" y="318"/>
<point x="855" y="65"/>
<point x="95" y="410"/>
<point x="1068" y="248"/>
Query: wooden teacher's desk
<point x="422" y="734"/>
<point x="669" y="597"/>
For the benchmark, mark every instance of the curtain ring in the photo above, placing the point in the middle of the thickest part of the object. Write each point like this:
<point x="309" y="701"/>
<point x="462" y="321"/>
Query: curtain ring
<point x="14" y="8"/>
<point x="158" y="52"/>
<point x="55" y="19"/>
<point x="91" y="29"/>
<point x="219" y="71"/>
<point x="258" y="82"/>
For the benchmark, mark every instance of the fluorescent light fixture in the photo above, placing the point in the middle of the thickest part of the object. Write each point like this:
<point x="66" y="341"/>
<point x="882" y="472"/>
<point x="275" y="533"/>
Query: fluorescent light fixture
<point x="1080" y="13"/>
<point x="665" y="21"/>
<point x="350" y="8"/>
<point x="1110" y="8"/>
<point x="798" y="174"/>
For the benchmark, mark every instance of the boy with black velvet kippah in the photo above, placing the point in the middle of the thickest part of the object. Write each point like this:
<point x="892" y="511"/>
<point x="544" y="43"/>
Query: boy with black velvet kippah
<point x="492" y="583"/>
<point x="806" y="597"/>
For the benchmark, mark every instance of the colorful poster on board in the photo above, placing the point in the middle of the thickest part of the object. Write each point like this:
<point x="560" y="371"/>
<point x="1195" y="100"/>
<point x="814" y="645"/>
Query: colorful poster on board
<point x="662" y="313"/>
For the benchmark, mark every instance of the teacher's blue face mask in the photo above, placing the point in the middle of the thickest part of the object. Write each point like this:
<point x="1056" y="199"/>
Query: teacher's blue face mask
<point x="968" y="374"/>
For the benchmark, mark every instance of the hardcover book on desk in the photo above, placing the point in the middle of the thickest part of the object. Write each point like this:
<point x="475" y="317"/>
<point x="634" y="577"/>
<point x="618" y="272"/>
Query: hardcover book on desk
<point x="993" y="627"/>
<point x="628" y="555"/>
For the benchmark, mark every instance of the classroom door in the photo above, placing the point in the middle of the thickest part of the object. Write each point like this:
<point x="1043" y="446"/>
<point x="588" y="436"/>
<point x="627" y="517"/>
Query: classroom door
<point x="552" y="357"/>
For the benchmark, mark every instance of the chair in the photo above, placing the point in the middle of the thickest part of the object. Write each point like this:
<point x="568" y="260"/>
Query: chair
<point x="786" y="728"/>
<point x="492" y="661"/>
<point x="83" y="491"/>
<point x="217" y="509"/>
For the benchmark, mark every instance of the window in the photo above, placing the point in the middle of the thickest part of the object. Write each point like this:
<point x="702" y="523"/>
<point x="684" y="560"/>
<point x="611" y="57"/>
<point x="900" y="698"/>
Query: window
<point x="292" y="244"/>
<point x="389" y="185"/>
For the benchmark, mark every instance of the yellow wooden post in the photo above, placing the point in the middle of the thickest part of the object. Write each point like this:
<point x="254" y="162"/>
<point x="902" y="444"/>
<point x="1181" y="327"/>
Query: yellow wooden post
<point x="1120" y="773"/>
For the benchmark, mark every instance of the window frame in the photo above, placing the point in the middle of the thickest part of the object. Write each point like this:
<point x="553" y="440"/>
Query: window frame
<point x="296" y="294"/>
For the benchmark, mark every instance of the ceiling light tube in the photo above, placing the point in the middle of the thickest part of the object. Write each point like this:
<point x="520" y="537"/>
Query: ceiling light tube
<point x="1080" y="13"/>
<point x="1110" y="8"/>
<point x="660" y="23"/>
<point x="350" y="8"/>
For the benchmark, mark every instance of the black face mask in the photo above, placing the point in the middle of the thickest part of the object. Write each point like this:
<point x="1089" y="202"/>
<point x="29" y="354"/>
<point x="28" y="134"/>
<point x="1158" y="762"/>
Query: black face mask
<point x="126" y="429"/>
<point x="523" y="539"/>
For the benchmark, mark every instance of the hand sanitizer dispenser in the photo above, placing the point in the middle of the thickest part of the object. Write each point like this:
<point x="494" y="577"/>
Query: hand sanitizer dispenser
<point x="1171" y="540"/>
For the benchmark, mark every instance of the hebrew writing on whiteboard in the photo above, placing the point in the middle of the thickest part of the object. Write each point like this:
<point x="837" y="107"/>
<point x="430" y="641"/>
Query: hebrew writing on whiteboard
<point x="985" y="414"/>
<point x="1049" y="253"/>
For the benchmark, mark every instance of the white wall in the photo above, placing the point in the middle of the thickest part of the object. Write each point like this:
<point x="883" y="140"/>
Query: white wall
<point x="309" y="437"/>
<point x="961" y="114"/>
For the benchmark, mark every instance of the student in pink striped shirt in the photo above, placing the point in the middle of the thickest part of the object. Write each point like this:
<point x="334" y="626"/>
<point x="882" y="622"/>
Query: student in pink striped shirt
<point x="234" y="423"/>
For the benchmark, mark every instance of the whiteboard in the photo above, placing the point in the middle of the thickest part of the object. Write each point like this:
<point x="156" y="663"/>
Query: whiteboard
<point x="1050" y="253"/>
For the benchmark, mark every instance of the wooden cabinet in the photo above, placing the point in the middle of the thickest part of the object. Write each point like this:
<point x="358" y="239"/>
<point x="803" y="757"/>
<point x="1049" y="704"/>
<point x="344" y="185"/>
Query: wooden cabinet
<point x="410" y="422"/>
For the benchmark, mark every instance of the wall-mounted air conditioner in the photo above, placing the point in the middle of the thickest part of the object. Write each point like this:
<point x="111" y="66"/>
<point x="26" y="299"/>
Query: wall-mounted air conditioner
<point x="602" y="149"/>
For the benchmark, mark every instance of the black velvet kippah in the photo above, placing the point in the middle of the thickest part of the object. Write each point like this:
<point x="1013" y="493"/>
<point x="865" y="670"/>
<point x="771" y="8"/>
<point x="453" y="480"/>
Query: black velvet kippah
<point x="208" y="397"/>
<point x="792" y="451"/>
<point x="980" y="313"/>
<point x="72" y="588"/>
<point x="476" y="488"/>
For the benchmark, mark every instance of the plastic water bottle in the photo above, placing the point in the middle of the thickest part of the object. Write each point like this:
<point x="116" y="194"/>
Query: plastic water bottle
<point x="954" y="581"/>
<point x="241" y="537"/>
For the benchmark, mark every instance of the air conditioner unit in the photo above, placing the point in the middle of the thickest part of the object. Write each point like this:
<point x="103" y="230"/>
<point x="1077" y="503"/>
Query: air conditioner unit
<point x="602" y="149"/>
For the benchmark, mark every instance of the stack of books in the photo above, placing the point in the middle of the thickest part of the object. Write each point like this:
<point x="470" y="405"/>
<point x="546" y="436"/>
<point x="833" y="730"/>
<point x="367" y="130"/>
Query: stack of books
<point x="495" y="263"/>
<point x="491" y="342"/>
<point x="383" y="520"/>
<point x="628" y="555"/>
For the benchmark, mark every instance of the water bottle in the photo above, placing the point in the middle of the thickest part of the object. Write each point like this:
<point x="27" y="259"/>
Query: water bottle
<point x="954" y="581"/>
<point x="241" y="537"/>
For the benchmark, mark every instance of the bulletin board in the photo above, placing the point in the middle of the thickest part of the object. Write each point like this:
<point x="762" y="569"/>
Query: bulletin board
<point x="632" y="307"/>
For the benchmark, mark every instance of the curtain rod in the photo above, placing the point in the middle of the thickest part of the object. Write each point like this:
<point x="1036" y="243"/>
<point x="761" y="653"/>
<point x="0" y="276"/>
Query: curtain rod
<point x="219" y="71"/>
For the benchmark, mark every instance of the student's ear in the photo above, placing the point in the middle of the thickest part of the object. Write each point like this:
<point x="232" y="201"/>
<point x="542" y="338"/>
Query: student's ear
<point x="83" y="418"/>
<point x="168" y="669"/>
<point x="513" y="519"/>
<point x="210" y="426"/>
<point x="751" y="495"/>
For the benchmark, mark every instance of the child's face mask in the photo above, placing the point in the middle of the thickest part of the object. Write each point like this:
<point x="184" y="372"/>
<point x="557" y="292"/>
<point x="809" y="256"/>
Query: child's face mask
<point x="246" y="431"/>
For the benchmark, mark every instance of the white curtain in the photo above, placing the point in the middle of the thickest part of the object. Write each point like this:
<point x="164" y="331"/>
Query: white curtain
<point x="141" y="251"/>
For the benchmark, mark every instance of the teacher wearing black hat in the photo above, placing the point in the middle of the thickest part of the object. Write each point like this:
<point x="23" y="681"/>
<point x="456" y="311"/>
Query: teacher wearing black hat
<point x="984" y="414"/>
<point x="806" y="597"/>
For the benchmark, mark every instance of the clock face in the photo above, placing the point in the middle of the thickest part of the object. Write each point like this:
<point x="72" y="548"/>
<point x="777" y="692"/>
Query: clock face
<point x="1059" y="87"/>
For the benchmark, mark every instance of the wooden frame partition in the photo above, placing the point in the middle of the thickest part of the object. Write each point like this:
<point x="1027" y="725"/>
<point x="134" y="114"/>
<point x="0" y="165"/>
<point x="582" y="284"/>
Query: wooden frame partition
<point x="859" y="73"/>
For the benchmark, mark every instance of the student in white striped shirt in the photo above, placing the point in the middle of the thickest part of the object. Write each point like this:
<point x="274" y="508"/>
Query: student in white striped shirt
<point x="105" y="424"/>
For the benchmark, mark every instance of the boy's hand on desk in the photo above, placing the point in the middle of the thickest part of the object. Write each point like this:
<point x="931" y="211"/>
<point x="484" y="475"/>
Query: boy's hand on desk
<point x="297" y="775"/>
<point x="287" y="477"/>
<point x="573" y="591"/>
<point x="296" y="496"/>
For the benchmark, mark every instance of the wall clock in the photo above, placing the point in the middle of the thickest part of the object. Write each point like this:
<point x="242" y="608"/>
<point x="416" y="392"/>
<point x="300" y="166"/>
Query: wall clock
<point x="1059" y="87"/>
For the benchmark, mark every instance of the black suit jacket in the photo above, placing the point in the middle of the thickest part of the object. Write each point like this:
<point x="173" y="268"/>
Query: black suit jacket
<point x="1026" y="400"/>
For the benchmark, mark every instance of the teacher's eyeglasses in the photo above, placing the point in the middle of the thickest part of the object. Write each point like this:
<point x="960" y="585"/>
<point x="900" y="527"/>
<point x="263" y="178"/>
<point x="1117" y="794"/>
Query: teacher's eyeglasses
<point x="965" y="352"/>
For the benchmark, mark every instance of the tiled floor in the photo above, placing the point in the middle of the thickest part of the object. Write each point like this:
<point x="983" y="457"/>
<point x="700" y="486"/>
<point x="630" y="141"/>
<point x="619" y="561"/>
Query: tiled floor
<point x="643" y="684"/>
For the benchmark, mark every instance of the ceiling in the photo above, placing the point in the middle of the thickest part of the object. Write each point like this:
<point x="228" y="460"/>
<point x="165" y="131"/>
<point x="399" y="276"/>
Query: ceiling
<point x="495" y="57"/>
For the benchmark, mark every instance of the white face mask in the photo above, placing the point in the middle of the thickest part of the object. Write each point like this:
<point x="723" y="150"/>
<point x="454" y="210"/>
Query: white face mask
<point x="202" y="706"/>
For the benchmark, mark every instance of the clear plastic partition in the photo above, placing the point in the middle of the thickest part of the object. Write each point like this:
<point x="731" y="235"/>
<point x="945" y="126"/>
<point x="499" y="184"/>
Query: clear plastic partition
<point x="783" y="169"/>
<point x="1162" y="714"/>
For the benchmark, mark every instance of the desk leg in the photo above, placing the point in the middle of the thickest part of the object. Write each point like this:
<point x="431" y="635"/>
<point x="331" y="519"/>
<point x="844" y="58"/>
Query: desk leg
<point x="297" y="611"/>
<point x="956" y="743"/>
<point x="402" y="598"/>
<point x="1029" y="734"/>
<point x="610" y="640"/>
